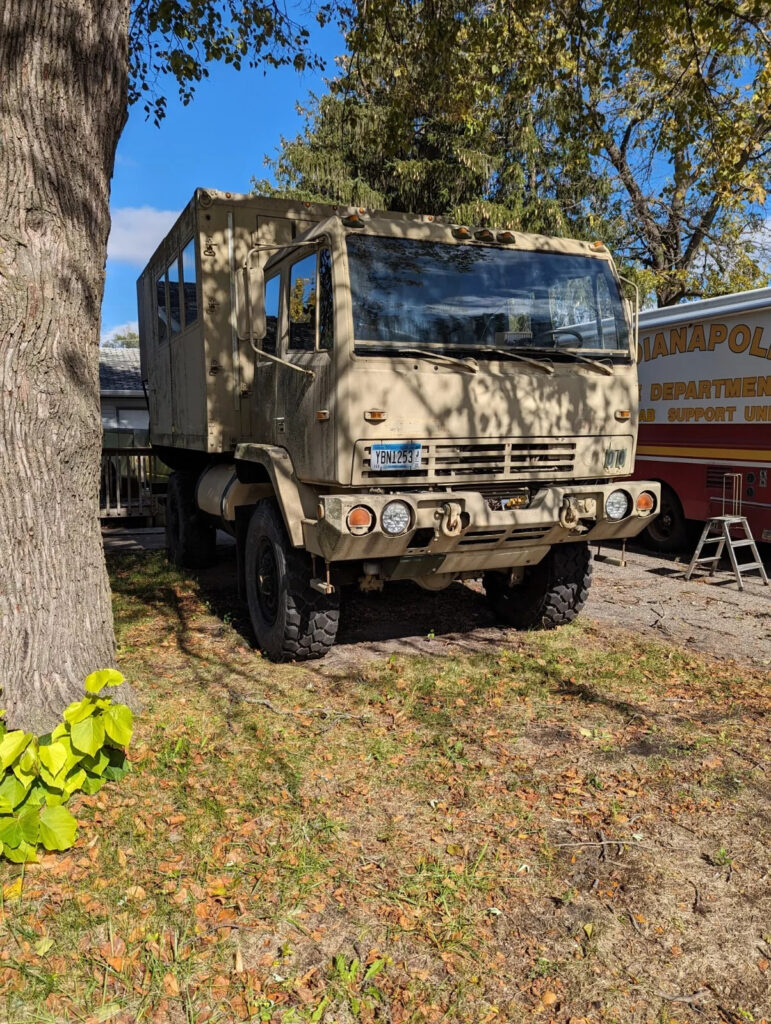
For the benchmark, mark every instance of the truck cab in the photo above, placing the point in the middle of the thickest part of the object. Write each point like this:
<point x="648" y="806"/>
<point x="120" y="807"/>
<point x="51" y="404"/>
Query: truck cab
<point x="362" y="397"/>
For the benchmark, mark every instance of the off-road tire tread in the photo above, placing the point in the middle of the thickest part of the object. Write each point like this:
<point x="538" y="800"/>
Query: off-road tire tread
<point x="195" y="545"/>
<point x="310" y="618"/>
<point x="552" y="594"/>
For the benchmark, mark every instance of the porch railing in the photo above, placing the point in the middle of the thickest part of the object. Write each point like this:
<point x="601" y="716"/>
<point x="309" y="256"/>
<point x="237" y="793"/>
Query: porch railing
<point x="132" y="484"/>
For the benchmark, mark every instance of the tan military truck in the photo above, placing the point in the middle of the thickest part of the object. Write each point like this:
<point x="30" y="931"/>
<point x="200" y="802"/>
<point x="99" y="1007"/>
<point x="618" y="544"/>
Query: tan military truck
<point x="361" y="397"/>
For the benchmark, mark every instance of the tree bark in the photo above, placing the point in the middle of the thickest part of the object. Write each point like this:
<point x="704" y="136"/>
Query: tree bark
<point x="63" y="105"/>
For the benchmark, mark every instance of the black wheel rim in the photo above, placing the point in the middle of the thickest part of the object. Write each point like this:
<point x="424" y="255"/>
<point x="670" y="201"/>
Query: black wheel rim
<point x="664" y="525"/>
<point x="267" y="581"/>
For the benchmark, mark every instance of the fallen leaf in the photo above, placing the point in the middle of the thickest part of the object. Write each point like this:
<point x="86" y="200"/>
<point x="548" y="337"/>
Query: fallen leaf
<point x="170" y="986"/>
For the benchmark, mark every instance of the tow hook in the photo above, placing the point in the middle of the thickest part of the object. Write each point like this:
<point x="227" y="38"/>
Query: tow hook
<point x="569" y="519"/>
<point x="451" y="522"/>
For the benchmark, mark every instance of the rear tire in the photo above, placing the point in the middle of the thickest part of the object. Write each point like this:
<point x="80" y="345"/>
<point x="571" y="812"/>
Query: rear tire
<point x="191" y="541"/>
<point x="291" y="621"/>
<point x="668" y="532"/>
<point x="552" y="593"/>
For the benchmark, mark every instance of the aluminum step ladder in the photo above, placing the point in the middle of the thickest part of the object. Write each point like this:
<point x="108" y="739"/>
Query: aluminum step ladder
<point x="717" y="530"/>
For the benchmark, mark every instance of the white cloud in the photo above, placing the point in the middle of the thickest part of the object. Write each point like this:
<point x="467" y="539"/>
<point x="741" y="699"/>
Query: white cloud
<point x="109" y="334"/>
<point x="136" y="232"/>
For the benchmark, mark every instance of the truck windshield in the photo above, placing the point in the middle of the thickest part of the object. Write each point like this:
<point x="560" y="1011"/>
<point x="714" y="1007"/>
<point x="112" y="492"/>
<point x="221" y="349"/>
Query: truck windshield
<point x="481" y="299"/>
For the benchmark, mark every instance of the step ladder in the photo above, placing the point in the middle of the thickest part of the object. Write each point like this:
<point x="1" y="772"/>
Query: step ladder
<point x="717" y="530"/>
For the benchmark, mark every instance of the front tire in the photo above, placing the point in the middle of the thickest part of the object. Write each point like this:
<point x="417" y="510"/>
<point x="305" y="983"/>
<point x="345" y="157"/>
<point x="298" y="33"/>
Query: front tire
<point x="191" y="541"/>
<point x="552" y="593"/>
<point x="291" y="620"/>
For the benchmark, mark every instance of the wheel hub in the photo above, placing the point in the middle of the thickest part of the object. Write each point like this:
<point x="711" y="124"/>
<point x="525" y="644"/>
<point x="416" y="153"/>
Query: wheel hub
<point x="267" y="580"/>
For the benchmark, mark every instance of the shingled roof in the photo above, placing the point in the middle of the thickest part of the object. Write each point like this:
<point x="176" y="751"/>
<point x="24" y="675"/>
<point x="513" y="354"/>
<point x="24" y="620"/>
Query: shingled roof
<point x="119" y="370"/>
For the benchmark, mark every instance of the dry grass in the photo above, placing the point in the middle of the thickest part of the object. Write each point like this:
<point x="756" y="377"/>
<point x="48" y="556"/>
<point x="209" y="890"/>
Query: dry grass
<point x="572" y="828"/>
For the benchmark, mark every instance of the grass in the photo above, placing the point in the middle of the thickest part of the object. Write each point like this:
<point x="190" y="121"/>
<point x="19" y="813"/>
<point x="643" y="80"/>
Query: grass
<point x="569" y="826"/>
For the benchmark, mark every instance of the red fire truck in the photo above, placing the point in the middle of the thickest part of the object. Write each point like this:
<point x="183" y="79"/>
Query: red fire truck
<point x="705" y="411"/>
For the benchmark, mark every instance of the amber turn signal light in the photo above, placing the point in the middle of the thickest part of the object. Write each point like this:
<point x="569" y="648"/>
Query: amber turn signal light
<point x="645" y="502"/>
<point x="359" y="520"/>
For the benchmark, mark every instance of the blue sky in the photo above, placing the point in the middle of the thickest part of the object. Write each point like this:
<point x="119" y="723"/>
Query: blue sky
<point x="219" y="140"/>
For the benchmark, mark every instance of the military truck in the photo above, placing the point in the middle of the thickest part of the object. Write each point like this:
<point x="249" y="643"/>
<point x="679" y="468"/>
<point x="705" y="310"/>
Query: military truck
<point x="360" y="398"/>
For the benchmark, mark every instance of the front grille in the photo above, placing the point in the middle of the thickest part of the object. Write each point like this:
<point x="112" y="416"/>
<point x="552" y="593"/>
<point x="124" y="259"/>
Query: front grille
<point x="496" y="537"/>
<point x="452" y="461"/>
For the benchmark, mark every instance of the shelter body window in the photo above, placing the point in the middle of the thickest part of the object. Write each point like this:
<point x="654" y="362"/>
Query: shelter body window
<point x="172" y="275"/>
<point x="162" y="306"/>
<point x="189" y="284"/>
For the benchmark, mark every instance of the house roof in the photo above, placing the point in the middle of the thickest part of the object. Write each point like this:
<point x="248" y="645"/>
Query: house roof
<point x="119" y="370"/>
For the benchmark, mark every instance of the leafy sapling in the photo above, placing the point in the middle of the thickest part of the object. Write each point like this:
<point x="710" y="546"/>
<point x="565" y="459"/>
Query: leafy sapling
<point x="38" y="775"/>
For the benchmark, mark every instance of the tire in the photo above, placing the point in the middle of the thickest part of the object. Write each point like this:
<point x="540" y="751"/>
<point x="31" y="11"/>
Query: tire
<point x="552" y="593"/>
<point x="191" y="541"/>
<point x="291" y="621"/>
<point x="669" y="530"/>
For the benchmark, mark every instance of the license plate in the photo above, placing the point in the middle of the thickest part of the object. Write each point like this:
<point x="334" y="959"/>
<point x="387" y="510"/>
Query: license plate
<point x="393" y="458"/>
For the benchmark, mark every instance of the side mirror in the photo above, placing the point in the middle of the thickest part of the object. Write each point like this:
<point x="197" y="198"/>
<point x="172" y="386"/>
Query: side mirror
<point x="254" y="289"/>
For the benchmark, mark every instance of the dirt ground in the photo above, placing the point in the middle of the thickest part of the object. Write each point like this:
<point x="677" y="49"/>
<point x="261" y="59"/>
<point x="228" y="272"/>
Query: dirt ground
<point x="647" y="596"/>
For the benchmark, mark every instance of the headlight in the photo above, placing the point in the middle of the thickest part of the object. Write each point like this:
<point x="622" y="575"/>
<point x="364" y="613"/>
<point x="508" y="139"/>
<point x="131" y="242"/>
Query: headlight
<point x="618" y="505"/>
<point x="396" y="517"/>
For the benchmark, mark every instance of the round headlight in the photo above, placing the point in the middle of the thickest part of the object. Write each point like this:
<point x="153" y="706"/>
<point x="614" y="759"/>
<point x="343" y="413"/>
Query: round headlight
<point x="396" y="517"/>
<point x="617" y="505"/>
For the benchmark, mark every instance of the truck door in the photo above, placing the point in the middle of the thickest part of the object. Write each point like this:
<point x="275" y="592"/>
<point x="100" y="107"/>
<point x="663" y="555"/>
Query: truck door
<point x="265" y="370"/>
<point x="305" y="412"/>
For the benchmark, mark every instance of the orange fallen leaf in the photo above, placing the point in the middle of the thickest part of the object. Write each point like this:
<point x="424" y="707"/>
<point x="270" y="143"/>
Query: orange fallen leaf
<point x="170" y="986"/>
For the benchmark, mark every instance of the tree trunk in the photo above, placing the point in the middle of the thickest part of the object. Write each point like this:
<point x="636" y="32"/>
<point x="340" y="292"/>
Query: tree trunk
<point x="62" y="107"/>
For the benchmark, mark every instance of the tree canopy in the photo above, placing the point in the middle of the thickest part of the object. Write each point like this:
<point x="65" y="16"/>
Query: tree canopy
<point x="648" y="126"/>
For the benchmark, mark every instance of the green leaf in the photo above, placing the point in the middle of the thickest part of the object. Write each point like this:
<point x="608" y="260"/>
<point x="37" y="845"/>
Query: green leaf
<point x="24" y="853"/>
<point x="36" y="795"/>
<point x="97" y="764"/>
<point x="26" y="778"/>
<point x="118" y="724"/>
<point x="59" y="731"/>
<point x="10" y="832"/>
<point x="92" y="784"/>
<point x="43" y="946"/>
<point x="12" y="792"/>
<point x="88" y="735"/>
<point x="11" y="745"/>
<point x="54" y="757"/>
<point x="57" y="828"/>
<point x="29" y="823"/>
<point x="104" y="677"/>
<point x="79" y="710"/>
<point x="72" y="783"/>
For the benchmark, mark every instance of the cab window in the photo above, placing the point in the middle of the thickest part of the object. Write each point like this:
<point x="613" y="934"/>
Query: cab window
<point x="272" y="299"/>
<point x="326" y="304"/>
<point x="302" y="305"/>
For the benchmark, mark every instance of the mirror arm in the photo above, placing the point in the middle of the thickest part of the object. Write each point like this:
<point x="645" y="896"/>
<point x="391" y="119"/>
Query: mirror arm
<point x="282" y="362"/>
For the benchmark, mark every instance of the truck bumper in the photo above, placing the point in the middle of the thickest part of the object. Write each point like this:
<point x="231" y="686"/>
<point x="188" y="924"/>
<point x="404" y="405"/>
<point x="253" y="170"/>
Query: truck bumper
<point x="461" y="532"/>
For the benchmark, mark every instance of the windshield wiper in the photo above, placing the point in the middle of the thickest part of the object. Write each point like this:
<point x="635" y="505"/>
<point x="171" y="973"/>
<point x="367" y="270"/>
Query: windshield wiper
<point x="422" y="353"/>
<point x="539" y="364"/>
<point x="596" y="363"/>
